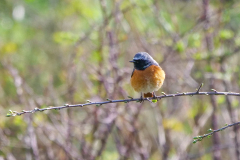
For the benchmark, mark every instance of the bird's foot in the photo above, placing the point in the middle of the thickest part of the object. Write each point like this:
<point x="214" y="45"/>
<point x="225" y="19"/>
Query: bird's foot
<point x="141" y="99"/>
<point x="154" y="96"/>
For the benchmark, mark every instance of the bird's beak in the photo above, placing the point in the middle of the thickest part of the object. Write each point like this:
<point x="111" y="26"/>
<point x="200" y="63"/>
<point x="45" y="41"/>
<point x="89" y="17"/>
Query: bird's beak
<point x="132" y="61"/>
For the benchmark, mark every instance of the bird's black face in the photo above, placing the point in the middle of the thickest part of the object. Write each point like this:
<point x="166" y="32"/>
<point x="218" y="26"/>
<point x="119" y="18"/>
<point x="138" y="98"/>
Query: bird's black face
<point x="142" y="60"/>
<point x="141" y="64"/>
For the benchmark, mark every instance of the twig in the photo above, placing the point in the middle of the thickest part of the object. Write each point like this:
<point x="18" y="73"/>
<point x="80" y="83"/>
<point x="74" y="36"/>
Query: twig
<point x="15" y="113"/>
<point x="199" y="138"/>
<point x="199" y="88"/>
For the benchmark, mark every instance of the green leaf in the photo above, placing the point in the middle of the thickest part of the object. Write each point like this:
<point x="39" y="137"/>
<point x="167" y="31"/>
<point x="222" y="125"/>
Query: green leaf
<point x="154" y="100"/>
<point x="210" y="130"/>
<point x="9" y="115"/>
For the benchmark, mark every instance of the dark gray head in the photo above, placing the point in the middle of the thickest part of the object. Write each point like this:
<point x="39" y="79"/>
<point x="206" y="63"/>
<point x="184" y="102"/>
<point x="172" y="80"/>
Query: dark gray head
<point x="142" y="60"/>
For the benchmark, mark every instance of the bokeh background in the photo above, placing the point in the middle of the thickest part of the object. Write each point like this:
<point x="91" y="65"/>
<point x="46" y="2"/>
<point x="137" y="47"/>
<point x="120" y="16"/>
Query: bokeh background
<point x="54" y="52"/>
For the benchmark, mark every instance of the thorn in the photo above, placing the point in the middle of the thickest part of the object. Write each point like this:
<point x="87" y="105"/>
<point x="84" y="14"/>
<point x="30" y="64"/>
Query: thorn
<point x="164" y="93"/>
<point x="213" y="90"/>
<point x="199" y="88"/>
<point x="130" y="97"/>
<point x="109" y="100"/>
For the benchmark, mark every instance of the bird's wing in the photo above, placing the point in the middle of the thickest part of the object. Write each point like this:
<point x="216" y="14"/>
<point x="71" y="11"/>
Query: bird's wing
<point x="133" y="71"/>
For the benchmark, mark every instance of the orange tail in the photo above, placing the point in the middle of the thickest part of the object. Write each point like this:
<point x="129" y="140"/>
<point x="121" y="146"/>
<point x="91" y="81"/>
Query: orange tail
<point x="148" y="95"/>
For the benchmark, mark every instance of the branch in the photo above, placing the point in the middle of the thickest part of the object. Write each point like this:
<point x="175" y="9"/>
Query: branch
<point x="199" y="138"/>
<point x="195" y="139"/>
<point x="214" y="92"/>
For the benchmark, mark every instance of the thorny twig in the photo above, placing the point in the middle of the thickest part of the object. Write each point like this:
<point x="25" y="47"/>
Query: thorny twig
<point x="15" y="113"/>
<point x="195" y="139"/>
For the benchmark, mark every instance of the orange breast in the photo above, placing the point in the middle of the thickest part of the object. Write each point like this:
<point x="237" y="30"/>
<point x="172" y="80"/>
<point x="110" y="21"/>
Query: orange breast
<point x="148" y="80"/>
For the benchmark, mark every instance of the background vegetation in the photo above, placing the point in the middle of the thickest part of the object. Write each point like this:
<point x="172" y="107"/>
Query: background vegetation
<point x="54" y="52"/>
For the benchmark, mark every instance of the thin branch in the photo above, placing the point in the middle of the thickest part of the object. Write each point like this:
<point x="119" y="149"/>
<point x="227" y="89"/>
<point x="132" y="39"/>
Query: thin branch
<point x="15" y="113"/>
<point x="199" y="138"/>
<point x="199" y="88"/>
<point x="195" y="139"/>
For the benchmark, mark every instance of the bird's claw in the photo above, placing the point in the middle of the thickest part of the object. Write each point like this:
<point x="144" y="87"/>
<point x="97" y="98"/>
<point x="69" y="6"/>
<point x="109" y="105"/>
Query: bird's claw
<point x="141" y="99"/>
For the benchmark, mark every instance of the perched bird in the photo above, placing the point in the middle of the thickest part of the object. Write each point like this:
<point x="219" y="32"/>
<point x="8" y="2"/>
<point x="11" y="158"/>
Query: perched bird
<point x="147" y="75"/>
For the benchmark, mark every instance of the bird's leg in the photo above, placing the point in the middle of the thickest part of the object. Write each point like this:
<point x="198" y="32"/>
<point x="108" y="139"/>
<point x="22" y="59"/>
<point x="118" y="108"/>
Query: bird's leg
<point x="141" y="98"/>
<point x="154" y="95"/>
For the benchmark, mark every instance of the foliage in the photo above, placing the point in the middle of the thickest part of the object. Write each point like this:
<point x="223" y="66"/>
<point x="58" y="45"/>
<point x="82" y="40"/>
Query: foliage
<point x="58" y="52"/>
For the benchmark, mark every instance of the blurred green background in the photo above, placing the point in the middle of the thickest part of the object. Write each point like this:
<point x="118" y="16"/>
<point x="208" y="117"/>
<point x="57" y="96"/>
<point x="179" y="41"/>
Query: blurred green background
<point x="54" y="52"/>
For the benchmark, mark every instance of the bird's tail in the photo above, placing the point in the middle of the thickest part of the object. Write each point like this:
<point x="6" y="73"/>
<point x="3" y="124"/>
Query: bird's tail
<point x="148" y="95"/>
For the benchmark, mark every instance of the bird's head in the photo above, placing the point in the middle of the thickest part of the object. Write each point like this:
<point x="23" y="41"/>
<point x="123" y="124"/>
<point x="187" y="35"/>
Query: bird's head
<point x="142" y="60"/>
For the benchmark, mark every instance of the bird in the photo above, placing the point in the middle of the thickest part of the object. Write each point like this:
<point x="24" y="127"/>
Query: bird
<point x="147" y="76"/>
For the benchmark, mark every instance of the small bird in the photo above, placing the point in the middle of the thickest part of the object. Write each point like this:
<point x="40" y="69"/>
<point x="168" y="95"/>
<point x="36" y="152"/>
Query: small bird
<point x="147" y="75"/>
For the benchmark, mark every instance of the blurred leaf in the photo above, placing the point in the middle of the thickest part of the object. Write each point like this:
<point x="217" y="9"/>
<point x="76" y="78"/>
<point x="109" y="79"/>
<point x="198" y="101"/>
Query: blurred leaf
<point x="235" y="103"/>
<point x="221" y="99"/>
<point x="237" y="41"/>
<point x="110" y="155"/>
<point x="226" y="34"/>
<point x="9" y="47"/>
<point x="173" y="124"/>
<point x="208" y="68"/>
<point x="18" y="121"/>
<point x="198" y="108"/>
<point x="194" y="40"/>
<point x="197" y="56"/>
<point x="180" y="47"/>
<point x="96" y="56"/>
<point x="66" y="38"/>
